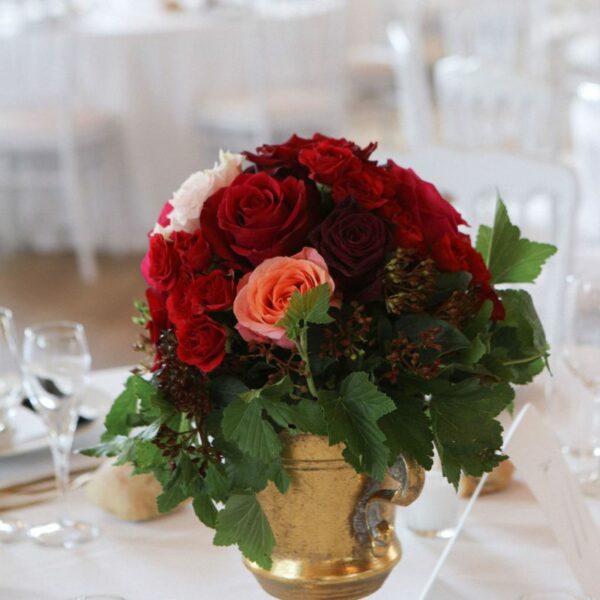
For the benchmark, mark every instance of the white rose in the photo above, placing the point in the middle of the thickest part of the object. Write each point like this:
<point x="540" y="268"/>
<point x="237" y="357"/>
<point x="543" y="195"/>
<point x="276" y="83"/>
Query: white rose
<point x="188" y="200"/>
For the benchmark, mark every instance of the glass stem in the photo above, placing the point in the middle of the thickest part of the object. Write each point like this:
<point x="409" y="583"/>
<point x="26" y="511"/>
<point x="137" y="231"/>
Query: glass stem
<point x="61" y="450"/>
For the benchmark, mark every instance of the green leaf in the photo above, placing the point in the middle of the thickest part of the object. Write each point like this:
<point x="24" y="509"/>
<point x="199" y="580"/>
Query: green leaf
<point x="216" y="482"/>
<point x="352" y="416"/>
<point x="226" y="389"/>
<point x="510" y="257"/>
<point x="305" y="416"/>
<point x="177" y="488"/>
<point x="205" y="510"/>
<point x="408" y="431"/>
<point x="243" y="522"/>
<point x="522" y="316"/>
<point x="310" y="307"/>
<point x="279" y="476"/>
<point x="244" y="425"/>
<point x="466" y="433"/>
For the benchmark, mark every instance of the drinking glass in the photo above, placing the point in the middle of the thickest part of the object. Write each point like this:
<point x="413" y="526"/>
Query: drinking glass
<point x="56" y="361"/>
<point x="581" y="354"/>
<point x="10" y="387"/>
<point x="435" y="513"/>
<point x="10" y="376"/>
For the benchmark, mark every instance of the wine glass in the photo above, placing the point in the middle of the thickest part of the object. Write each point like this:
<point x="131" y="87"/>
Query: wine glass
<point x="581" y="354"/>
<point x="56" y="361"/>
<point x="10" y="387"/>
<point x="10" y="376"/>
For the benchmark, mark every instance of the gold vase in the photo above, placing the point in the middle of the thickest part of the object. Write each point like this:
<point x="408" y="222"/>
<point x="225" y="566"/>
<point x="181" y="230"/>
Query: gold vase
<point x="334" y="529"/>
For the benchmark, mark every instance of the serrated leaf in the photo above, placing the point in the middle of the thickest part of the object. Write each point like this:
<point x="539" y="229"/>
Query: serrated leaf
<point x="305" y="416"/>
<point x="177" y="488"/>
<point x="310" y="307"/>
<point x="510" y="257"/>
<point x="466" y="433"/>
<point x="408" y="431"/>
<point x="243" y="522"/>
<point x="352" y="416"/>
<point x="205" y="510"/>
<point x="216" y="482"/>
<point x="226" y="390"/>
<point x="279" y="476"/>
<point x="244" y="425"/>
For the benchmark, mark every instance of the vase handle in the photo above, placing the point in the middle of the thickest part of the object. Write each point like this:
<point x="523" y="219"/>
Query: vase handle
<point x="408" y="478"/>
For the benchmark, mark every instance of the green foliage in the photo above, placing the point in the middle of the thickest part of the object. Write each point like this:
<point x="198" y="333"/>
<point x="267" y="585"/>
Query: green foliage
<point x="466" y="433"/>
<point x="380" y="383"/>
<point x="243" y="522"/>
<point x="351" y="415"/>
<point x="510" y="257"/>
<point x="310" y="307"/>
<point x="408" y="430"/>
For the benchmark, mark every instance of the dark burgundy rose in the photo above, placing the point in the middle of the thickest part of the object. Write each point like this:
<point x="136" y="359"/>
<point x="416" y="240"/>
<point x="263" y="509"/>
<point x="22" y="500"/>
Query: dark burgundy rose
<point x="354" y="243"/>
<point x="193" y="250"/>
<point x="201" y="342"/>
<point x="284" y="157"/>
<point x="162" y="264"/>
<point x="428" y="210"/>
<point x="258" y="217"/>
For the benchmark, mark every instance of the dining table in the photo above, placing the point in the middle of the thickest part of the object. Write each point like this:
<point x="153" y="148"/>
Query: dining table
<point x="506" y="549"/>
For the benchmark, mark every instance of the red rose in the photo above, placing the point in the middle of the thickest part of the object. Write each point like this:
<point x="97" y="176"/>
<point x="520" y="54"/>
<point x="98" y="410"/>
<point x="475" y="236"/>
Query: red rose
<point x="258" y="217"/>
<point x="429" y="211"/>
<point x="159" y="320"/>
<point x="163" y="263"/>
<point x="455" y="253"/>
<point x="201" y="342"/>
<point x="163" y="219"/>
<point x="178" y="301"/>
<point x="328" y="162"/>
<point x="366" y="186"/>
<point x="285" y="156"/>
<point x="193" y="250"/>
<point x="212" y="292"/>
<point x="407" y="233"/>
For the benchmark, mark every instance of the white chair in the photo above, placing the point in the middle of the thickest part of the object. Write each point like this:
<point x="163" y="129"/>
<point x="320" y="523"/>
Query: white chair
<point x="491" y="105"/>
<point x="290" y="77"/>
<point x="372" y="63"/>
<point x="541" y="198"/>
<point x="413" y="93"/>
<point x="494" y="31"/>
<point x="48" y="146"/>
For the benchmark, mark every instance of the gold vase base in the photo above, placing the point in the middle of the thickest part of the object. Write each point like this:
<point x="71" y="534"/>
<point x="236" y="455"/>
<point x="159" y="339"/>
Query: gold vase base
<point x="347" y="586"/>
<point x="334" y="590"/>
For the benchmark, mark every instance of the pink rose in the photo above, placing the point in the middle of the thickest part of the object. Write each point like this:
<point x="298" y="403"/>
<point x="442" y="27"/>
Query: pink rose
<point x="264" y="294"/>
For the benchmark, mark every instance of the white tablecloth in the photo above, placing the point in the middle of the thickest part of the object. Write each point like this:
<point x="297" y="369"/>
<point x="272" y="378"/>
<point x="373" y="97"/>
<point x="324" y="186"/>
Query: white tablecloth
<point x="506" y="550"/>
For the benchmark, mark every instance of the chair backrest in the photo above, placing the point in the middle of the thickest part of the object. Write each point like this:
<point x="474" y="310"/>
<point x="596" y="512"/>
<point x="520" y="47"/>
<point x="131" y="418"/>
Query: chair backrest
<point x="484" y="105"/>
<point x="27" y="53"/>
<point x="286" y="68"/>
<point x="413" y="93"/>
<point x="541" y="198"/>
<point x="295" y="54"/>
<point x="495" y="31"/>
<point x="584" y="118"/>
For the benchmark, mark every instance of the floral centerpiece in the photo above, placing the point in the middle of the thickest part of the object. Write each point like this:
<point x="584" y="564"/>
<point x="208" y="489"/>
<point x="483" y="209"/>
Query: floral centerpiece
<point x="305" y="288"/>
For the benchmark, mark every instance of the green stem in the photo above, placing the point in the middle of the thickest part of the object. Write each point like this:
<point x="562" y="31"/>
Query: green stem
<point x="522" y="361"/>
<point x="303" y="351"/>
